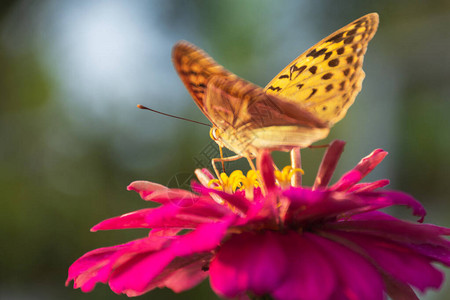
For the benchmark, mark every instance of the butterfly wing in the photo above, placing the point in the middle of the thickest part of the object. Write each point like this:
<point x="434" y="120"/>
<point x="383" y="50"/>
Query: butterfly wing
<point x="326" y="78"/>
<point x="249" y="119"/>
<point x="195" y="68"/>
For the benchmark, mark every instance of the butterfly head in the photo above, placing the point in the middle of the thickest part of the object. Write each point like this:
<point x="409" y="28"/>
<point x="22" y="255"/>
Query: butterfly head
<point x="215" y="135"/>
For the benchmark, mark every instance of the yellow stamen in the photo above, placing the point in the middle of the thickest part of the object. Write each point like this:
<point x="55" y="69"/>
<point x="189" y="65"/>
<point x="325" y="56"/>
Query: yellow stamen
<point x="216" y="183"/>
<point x="236" y="181"/>
<point x="284" y="176"/>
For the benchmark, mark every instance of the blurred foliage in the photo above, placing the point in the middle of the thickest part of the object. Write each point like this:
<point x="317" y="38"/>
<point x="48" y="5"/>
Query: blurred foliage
<point x="66" y="158"/>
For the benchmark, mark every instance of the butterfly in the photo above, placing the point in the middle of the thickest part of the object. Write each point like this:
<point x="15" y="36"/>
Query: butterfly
<point x="295" y="109"/>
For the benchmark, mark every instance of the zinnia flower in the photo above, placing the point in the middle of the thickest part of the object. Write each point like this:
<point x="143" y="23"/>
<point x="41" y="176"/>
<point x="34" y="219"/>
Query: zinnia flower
<point x="268" y="238"/>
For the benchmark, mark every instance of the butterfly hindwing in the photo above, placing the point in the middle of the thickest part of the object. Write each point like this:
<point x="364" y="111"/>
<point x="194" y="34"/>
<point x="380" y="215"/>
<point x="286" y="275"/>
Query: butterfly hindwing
<point x="326" y="78"/>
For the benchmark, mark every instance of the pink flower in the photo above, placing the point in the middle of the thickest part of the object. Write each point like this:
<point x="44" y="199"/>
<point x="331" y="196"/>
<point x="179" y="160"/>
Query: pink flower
<point x="283" y="241"/>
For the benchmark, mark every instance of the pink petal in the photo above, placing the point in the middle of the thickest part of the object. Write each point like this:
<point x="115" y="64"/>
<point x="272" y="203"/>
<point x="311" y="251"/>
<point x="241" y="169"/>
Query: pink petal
<point x="265" y="167"/>
<point x="145" y="188"/>
<point x="364" y="167"/>
<point x="261" y="211"/>
<point x="134" y="276"/>
<point x="248" y="261"/>
<point x="183" y="273"/>
<point x="132" y="267"/>
<point x="136" y="219"/>
<point x="368" y="186"/>
<point x="395" y="229"/>
<point x="422" y="238"/>
<point x="346" y="181"/>
<point x="398" y="290"/>
<point x="167" y="216"/>
<point x="206" y="237"/>
<point x="371" y="215"/>
<point x="164" y="232"/>
<point x="401" y="262"/>
<point x="238" y="201"/>
<point x="328" y="164"/>
<point x="96" y="266"/>
<point x="381" y="199"/>
<point x="90" y="269"/>
<point x="205" y="177"/>
<point x="310" y="275"/>
<point x="136" y="273"/>
<point x="311" y="206"/>
<point x="150" y="191"/>
<point x="301" y="197"/>
<point x="358" y="279"/>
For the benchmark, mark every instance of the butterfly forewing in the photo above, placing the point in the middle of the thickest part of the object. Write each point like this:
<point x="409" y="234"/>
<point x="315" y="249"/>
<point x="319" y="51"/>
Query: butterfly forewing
<point x="326" y="78"/>
<point x="195" y="68"/>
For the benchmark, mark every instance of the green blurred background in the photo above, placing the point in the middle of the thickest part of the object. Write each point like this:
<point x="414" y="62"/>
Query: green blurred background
<point x="72" y="139"/>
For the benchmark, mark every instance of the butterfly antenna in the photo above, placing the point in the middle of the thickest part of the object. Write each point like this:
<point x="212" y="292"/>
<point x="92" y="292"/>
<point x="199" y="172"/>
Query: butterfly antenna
<point x="169" y="115"/>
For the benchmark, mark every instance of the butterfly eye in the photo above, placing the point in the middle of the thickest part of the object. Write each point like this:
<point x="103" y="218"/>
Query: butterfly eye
<point x="214" y="134"/>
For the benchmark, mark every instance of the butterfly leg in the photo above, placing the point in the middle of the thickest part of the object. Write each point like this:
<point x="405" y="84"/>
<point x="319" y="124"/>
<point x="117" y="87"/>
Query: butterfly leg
<point x="222" y="160"/>
<point x="296" y="163"/>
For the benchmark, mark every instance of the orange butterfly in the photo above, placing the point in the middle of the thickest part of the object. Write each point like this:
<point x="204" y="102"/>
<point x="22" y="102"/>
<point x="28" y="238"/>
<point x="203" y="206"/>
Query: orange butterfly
<point x="297" y="108"/>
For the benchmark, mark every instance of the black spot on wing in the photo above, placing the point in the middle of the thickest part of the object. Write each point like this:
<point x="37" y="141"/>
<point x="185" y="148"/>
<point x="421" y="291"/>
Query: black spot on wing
<point x="295" y="69"/>
<point x="351" y="32"/>
<point x="336" y="38"/>
<point x="314" y="53"/>
<point x="333" y="62"/>
<point x="283" y="76"/>
<point x="327" y="76"/>
<point x="274" y="88"/>
<point x="312" y="93"/>
<point x="359" y="23"/>
<point x="348" y="40"/>
<point x="313" y="69"/>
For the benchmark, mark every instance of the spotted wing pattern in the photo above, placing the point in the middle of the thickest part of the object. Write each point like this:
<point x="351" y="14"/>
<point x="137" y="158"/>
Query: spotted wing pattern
<point x="195" y="69"/>
<point x="326" y="78"/>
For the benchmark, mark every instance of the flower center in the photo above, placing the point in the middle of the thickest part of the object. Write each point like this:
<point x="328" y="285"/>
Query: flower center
<point x="236" y="180"/>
